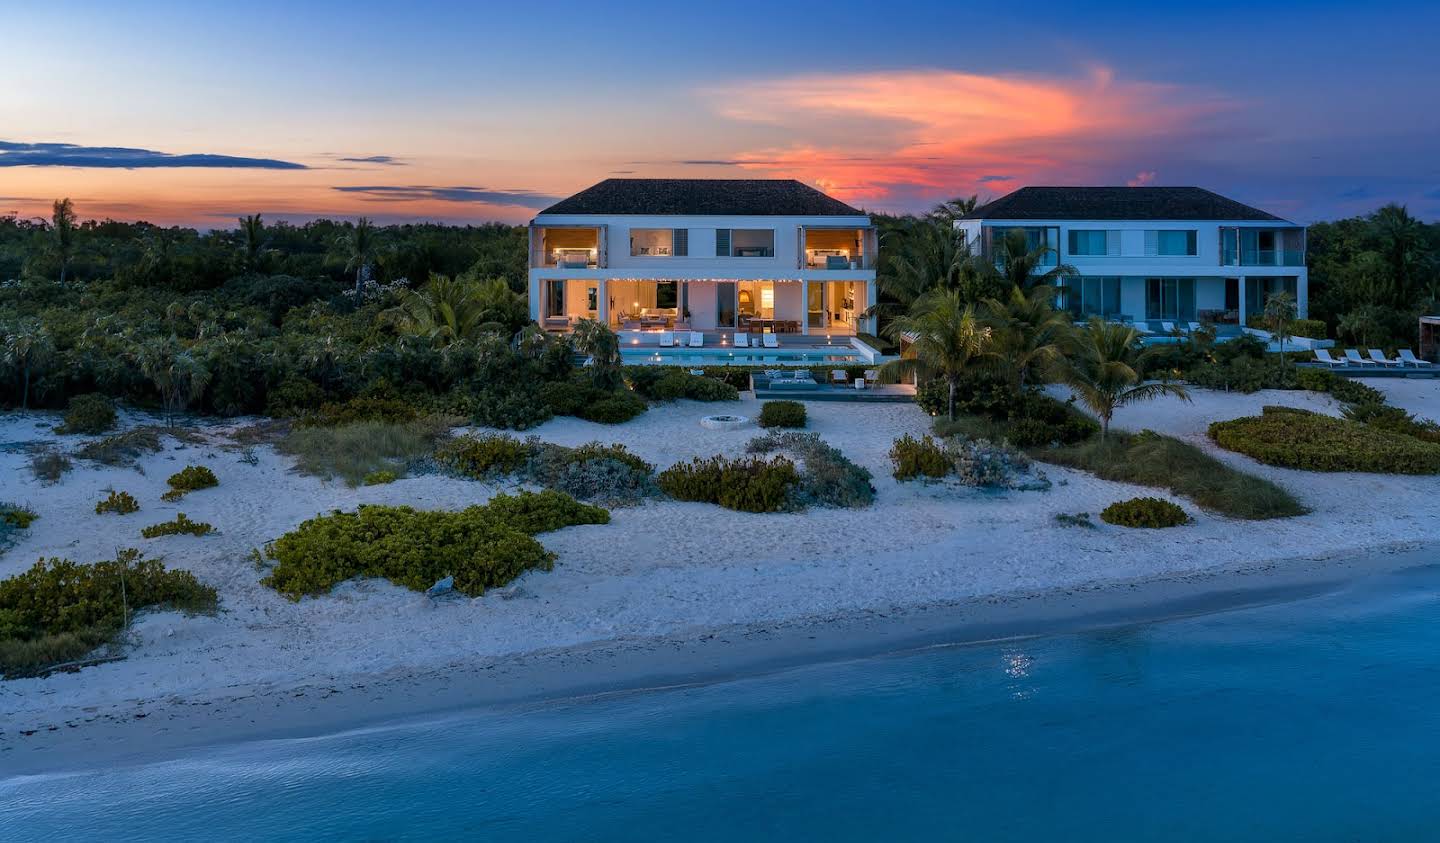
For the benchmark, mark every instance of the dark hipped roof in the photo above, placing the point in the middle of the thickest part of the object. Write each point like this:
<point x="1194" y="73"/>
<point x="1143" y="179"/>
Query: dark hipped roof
<point x="1117" y="203"/>
<point x="703" y="197"/>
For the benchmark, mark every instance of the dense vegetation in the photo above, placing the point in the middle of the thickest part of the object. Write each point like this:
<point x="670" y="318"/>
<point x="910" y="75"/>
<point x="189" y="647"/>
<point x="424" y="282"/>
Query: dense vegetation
<point x="59" y="610"/>
<point x="748" y="484"/>
<point x="1300" y="439"/>
<point x="1144" y="512"/>
<point x="782" y="414"/>
<point x="594" y="471"/>
<point x="481" y="547"/>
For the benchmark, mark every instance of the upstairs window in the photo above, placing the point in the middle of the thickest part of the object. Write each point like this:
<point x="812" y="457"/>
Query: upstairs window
<point x="745" y="242"/>
<point x="1171" y="243"/>
<point x="659" y="242"/>
<point x="1088" y="243"/>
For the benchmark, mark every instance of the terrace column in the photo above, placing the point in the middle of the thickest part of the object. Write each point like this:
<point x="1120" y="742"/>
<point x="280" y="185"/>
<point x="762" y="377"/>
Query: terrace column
<point x="805" y="307"/>
<point x="602" y="302"/>
<point x="1242" y="304"/>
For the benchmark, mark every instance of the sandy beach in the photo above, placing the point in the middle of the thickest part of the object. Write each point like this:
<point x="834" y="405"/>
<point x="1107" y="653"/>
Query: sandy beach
<point x="668" y="592"/>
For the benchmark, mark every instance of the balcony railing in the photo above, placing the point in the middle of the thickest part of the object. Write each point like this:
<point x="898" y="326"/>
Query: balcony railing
<point x="836" y="262"/>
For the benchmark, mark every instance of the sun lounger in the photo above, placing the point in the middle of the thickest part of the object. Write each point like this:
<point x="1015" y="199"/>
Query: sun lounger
<point x="1408" y="358"/>
<point x="697" y="339"/>
<point x="1167" y="327"/>
<point x="769" y="340"/>
<point x="667" y="339"/>
<point x="742" y="340"/>
<point x="1195" y="327"/>
<point x="838" y="376"/>
<point x="1353" y="357"/>
<point x="1379" y="357"/>
<point x="1322" y="355"/>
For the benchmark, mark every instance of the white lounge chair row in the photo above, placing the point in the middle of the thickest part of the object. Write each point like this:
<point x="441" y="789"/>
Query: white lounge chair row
<point x="696" y="340"/>
<point x="1377" y="358"/>
<point x="742" y="340"/>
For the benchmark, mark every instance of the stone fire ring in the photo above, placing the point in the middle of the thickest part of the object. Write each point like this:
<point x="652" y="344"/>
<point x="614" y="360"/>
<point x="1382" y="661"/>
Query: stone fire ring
<point x="724" y="422"/>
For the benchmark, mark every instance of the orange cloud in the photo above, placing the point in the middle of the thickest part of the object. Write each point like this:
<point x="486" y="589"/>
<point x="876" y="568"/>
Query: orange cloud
<point x="892" y="138"/>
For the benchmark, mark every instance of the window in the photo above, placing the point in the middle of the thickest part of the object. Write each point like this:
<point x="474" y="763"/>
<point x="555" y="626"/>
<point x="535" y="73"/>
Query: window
<point x="1086" y="297"/>
<point x="1172" y="243"/>
<point x="1093" y="242"/>
<point x="680" y="242"/>
<point x="745" y="242"/>
<point x="1259" y="290"/>
<point x="1036" y="238"/>
<point x="555" y="298"/>
<point x="652" y="242"/>
<point x="666" y="294"/>
<point x="1170" y="298"/>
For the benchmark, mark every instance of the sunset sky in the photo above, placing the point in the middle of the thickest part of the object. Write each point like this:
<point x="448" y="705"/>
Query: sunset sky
<point x="195" y="113"/>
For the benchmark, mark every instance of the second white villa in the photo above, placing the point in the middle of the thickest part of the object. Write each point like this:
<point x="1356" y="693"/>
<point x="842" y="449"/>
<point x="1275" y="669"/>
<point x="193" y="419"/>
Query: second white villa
<point x="721" y="263"/>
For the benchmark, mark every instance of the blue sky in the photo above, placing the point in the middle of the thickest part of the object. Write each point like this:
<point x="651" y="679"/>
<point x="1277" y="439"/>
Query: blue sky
<point x="429" y="110"/>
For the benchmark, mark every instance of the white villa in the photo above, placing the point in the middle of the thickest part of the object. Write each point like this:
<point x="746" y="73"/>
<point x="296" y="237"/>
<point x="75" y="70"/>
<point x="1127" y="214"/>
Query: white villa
<point x="656" y="257"/>
<point x="1153" y="254"/>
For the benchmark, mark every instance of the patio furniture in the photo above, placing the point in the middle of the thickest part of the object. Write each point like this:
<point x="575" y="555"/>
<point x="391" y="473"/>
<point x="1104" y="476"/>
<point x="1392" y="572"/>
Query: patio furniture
<point x="859" y="383"/>
<point x="769" y="340"/>
<point x="667" y="339"/>
<point x="697" y="339"/>
<point x="742" y="340"/>
<point x="1167" y="327"/>
<point x="1195" y="327"/>
<point x="1353" y="356"/>
<point x="1322" y="355"/>
<point x="1379" y="357"/>
<point x="1408" y="358"/>
<point x="837" y="262"/>
<point x="557" y="323"/>
<point x="838" y="376"/>
<point x="872" y="375"/>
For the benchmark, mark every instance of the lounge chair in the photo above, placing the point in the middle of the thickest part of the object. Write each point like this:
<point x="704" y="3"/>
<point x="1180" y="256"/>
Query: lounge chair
<point x="1167" y="327"/>
<point x="838" y="376"/>
<point x="1195" y="327"/>
<point x="1353" y="357"/>
<point x="1408" y="358"/>
<point x="769" y="340"/>
<point x="742" y="340"/>
<point x="697" y="339"/>
<point x="1322" y="355"/>
<point x="667" y="339"/>
<point x="1379" y="357"/>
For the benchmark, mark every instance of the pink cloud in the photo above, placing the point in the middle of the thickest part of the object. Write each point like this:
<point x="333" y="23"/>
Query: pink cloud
<point x="890" y="139"/>
<point x="1141" y="178"/>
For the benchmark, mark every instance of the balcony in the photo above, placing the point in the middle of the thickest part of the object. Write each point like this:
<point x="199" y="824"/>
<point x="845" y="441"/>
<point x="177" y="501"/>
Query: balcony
<point x="1262" y="246"/>
<point x="838" y="249"/>
<point x="567" y="247"/>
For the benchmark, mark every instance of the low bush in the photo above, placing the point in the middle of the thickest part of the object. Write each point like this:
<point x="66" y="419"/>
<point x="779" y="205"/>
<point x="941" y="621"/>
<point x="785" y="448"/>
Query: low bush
<point x="659" y="383"/>
<point x="615" y="408"/>
<point x="1243" y="374"/>
<point x="49" y="465"/>
<point x="58" y="610"/>
<point x="1342" y="389"/>
<point x="91" y="413"/>
<point x="120" y="503"/>
<point x="361" y="409"/>
<point x="1310" y="328"/>
<point x="380" y="478"/>
<point x="747" y="485"/>
<point x="480" y="546"/>
<point x="485" y="456"/>
<point x="1078" y="519"/>
<point x="782" y="414"/>
<point x="293" y="397"/>
<point x="122" y="449"/>
<point x="508" y="409"/>
<point x="1321" y="443"/>
<point x="1163" y="462"/>
<point x="1144" y="512"/>
<point x="827" y="477"/>
<point x="182" y="525"/>
<point x="1393" y="419"/>
<point x="593" y="471"/>
<point x="354" y="451"/>
<point x="923" y="457"/>
<point x="14" y="518"/>
<point x="189" y="479"/>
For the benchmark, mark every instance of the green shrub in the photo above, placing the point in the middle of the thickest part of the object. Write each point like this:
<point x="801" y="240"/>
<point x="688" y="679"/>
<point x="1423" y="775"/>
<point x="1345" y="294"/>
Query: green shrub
<point x="182" y="525"/>
<point x="1393" y="419"/>
<point x="16" y="516"/>
<point x="923" y="457"/>
<point x="189" y="479"/>
<point x="480" y="546"/>
<point x="122" y="449"/>
<point x="293" y="397"/>
<point x="354" y="451"/>
<point x="120" y="503"/>
<point x="615" y="408"/>
<point x="827" y="477"/>
<point x="1316" y="380"/>
<point x="782" y="414"/>
<point x="1314" y="329"/>
<point x="509" y="409"/>
<point x="364" y="409"/>
<point x="58" y="610"/>
<point x="1321" y="443"/>
<point x="1144" y="512"/>
<point x="746" y="485"/>
<point x="48" y="466"/>
<point x="380" y="478"/>
<point x="1078" y="519"/>
<point x="484" y="456"/>
<point x="1354" y="392"/>
<point x="567" y="398"/>
<point x="659" y="383"/>
<point x="91" y="413"/>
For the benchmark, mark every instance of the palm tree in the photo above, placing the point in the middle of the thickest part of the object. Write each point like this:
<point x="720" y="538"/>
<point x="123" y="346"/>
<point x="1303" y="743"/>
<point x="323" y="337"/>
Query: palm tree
<point x="930" y="254"/>
<point x="253" y="242"/>
<point x="1103" y="370"/>
<point x="951" y="210"/>
<point x="444" y="310"/>
<point x="359" y="245"/>
<point x="593" y="339"/>
<point x="1021" y="265"/>
<point x="177" y="375"/>
<point x="1029" y="333"/>
<point x="28" y="348"/>
<point x="62" y="233"/>
<point x="1279" y="315"/>
<point x="945" y="340"/>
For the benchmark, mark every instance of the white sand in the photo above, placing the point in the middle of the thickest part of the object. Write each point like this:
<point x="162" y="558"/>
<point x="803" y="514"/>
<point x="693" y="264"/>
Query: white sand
<point x="663" y="569"/>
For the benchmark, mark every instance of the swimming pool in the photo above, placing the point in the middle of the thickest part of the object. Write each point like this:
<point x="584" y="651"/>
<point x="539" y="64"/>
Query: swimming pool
<point x="1309" y="720"/>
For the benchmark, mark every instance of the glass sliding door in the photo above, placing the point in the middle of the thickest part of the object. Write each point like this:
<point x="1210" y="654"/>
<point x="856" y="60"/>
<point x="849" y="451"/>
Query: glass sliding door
<point x="815" y="305"/>
<point x="725" y="304"/>
<point x="1170" y="298"/>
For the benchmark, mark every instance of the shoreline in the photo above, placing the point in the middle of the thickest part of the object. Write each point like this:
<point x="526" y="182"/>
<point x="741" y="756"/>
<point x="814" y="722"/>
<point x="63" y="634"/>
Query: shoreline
<point x="150" y="730"/>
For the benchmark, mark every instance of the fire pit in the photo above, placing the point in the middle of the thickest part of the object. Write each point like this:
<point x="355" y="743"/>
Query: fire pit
<point x="724" y="422"/>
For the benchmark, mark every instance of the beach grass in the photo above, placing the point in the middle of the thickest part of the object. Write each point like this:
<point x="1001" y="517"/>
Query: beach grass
<point x="354" y="451"/>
